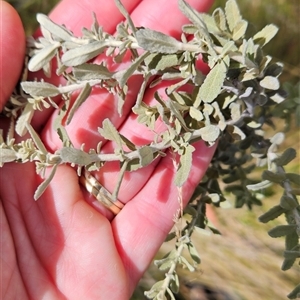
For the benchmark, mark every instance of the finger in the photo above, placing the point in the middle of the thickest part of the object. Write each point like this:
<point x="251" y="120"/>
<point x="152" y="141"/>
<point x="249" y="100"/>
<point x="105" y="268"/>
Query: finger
<point x="12" y="50"/>
<point x="149" y="216"/>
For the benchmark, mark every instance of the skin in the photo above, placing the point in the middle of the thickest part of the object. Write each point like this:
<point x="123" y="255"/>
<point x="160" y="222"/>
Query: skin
<point x="66" y="245"/>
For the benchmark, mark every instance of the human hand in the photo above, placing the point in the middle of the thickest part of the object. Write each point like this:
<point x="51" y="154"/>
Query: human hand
<point x="67" y="245"/>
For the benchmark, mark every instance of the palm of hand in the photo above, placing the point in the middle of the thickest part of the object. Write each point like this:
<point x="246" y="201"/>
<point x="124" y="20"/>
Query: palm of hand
<point x="64" y="246"/>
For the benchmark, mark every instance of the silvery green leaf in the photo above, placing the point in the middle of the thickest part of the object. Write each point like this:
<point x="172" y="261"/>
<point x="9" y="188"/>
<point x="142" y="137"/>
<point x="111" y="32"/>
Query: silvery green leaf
<point x="125" y="13"/>
<point x="273" y="177"/>
<point x="184" y="261"/>
<point x="274" y="69"/>
<point x="293" y="177"/>
<point x="185" y="165"/>
<point x="210" y="23"/>
<point x="229" y="46"/>
<point x="82" y="54"/>
<point x="266" y="34"/>
<point x="239" y="30"/>
<point x="43" y="57"/>
<point x="154" y="41"/>
<point x="109" y="132"/>
<point x="271" y="214"/>
<point x="193" y="15"/>
<point x="270" y="83"/>
<point x="42" y="187"/>
<point x="159" y="61"/>
<point x="279" y="97"/>
<point x="288" y="203"/>
<point x="74" y="156"/>
<point x="91" y="71"/>
<point x="220" y="18"/>
<point x="213" y="83"/>
<point x="237" y="133"/>
<point x="39" y="88"/>
<point x="210" y="133"/>
<point x="37" y="140"/>
<point x="7" y="155"/>
<point x="24" y="119"/>
<point x="195" y="113"/>
<point x="235" y="111"/>
<point x="176" y="86"/>
<point x="194" y="253"/>
<point x="233" y="15"/>
<point x="277" y="138"/>
<point x="290" y="254"/>
<point x="123" y="75"/>
<point x="295" y="293"/>
<point x="282" y="230"/>
<point x="259" y="186"/>
<point x="57" y="30"/>
<point x="131" y="146"/>
<point x="145" y="155"/>
<point x="189" y="29"/>
<point x="174" y="111"/>
<point x="84" y="94"/>
<point x="287" y="156"/>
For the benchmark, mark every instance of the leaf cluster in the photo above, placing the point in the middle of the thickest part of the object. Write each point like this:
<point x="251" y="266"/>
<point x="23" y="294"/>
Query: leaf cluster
<point x="231" y="106"/>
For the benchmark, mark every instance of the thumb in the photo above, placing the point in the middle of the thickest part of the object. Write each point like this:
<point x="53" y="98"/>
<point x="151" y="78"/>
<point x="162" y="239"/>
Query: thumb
<point x="12" y="50"/>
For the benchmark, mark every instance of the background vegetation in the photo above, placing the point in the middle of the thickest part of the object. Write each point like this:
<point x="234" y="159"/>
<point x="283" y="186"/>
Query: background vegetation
<point x="244" y="262"/>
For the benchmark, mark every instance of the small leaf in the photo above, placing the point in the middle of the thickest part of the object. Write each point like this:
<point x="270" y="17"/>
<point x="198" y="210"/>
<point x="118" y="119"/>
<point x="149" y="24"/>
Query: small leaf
<point x="287" y="264"/>
<point x="42" y="57"/>
<point x="80" y="55"/>
<point x="210" y="133"/>
<point x="42" y="89"/>
<point x="291" y="254"/>
<point x="270" y="83"/>
<point x="274" y="69"/>
<point x="42" y="187"/>
<point x="36" y="138"/>
<point x="91" y="71"/>
<point x="288" y="203"/>
<point x="84" y="94"/>
<point x="193" y="15"/>
<point x="233" y="15"/>
<point x="57" y="30"/>
<point x="160" y="61"/>
<point x="75" y="156"/>
<point x="213" y="83"/>
<point x="281" y="230"/>
<point x="295" y="178"/>
<point x="195" y="113"/>
<point x="266" y="34"/>
<point x="185" y="165"/>
<point x="109" y="132"/>
<point x="273" y="177"/>
<point x="271" y="214"/>
<point x="220" y="19"/>
<point x="24" y="119"/>
<point x="239" y="30"/>
<point x="154" y="41"/>
<point x="277" y="138"/>
<point x="287" y="156"/>
<point x="123" y="75"/>
<point x="295" y="293"/>
<point x="7" y="155"/>
<point x="185" y="262"/>
<point x="145" y="155"/>
<point x="125" y="13"/>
